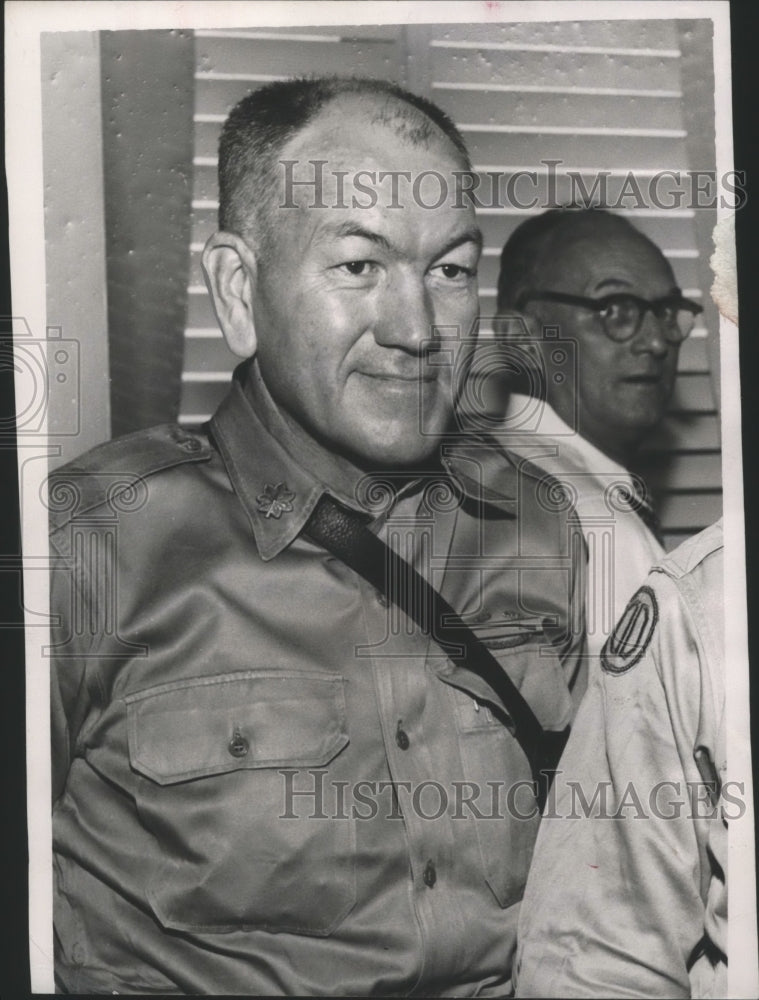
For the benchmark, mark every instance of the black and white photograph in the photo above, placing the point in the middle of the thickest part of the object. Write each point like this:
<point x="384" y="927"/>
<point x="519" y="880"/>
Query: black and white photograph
<point x="378" y="424"/>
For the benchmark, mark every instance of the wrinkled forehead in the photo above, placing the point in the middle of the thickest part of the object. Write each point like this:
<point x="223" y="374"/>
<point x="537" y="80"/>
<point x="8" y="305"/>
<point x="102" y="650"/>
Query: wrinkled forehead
<point x="603" y="251"/>
<point x="378" y="133"/>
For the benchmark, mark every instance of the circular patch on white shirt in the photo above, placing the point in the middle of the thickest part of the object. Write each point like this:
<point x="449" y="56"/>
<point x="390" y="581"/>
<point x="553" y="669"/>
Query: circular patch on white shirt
<point x="632" y="633"/>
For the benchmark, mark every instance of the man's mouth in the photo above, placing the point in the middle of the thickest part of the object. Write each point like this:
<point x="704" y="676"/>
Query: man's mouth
<point x="415" y="377"/>
<point x="642" y="378"/>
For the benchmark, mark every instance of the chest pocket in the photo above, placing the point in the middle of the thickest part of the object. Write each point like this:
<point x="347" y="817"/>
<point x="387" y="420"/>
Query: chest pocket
<point x="495" y="763"/>
<point x="218" y="759"/>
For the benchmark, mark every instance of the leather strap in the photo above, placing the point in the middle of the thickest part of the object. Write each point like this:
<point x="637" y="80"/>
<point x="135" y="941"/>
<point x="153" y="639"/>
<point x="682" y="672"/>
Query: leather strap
<point x="342" y="532"/>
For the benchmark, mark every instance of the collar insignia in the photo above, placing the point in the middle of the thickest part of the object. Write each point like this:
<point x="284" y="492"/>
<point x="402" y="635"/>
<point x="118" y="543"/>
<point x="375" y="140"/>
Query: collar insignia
<point x="275" y="500"/>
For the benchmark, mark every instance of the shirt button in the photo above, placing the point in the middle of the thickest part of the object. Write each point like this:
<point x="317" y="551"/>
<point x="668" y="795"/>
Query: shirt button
<point x="401" y="737"/>
<point x="238" y="746"/>
<point x="430" y="875"/>
<point x="381" y="599"/>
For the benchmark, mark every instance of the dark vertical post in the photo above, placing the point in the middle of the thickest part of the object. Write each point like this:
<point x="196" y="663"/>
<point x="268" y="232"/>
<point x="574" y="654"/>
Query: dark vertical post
<point x="147" y="82"/>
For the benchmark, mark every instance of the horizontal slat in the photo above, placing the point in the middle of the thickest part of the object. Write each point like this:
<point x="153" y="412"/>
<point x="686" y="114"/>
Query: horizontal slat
<point x="692" y="511"/>
<point x="206" y="376"/>
<point x="684" y="472"/>
<point x="194" y="421"/>
<point x="560" y="49"/>
<point x="203" y="224"/>
<point x="514" y="108"/>
<point x="544" y="128"/>
<point x="552" y="68"/>
<point x="202" y="397"/>
<point x="196" y="272"/>
<point x="208" y="355"/>
<point x="220" y="96"/>
<point x="374" y="32"/>
<point x="206" y="139"/>
<point x="693" y="394"/>
<point x="609" y="34"/>
<point x="625" y="152"/>
<point x="689" y="432"/>
<point x="667" y="230"/>
<point x="373" y="57"/>
<point x="686" y="271"/>
<point x="614" y="152"/>
<point x="200" y="311"/>
<point x="205" y="182"/>
<point x="687" y="274"/>
<point x="694" y="356"/>
<point x="534" y="188"/>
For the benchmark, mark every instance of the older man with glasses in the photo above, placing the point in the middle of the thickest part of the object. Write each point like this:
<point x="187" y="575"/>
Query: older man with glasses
<point x="591" y="320"/>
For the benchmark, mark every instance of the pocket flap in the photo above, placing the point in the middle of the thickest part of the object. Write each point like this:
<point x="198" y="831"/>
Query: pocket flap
<point x="229" y="722"/>
<point x="532" y="665"/>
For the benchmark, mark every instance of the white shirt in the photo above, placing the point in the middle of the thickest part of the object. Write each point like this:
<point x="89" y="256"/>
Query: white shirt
<point x="628" y="875"/>
<point x="621" y="549"/>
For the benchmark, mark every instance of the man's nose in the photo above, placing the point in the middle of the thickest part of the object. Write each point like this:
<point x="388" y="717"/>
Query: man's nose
<point x="650" y="337"/>
<point x="405" y="316"/>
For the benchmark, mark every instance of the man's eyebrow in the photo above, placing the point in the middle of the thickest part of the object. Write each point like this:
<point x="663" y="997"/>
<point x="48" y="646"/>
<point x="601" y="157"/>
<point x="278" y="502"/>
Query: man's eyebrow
<point x="611" y="281"/>
<point x="347" y="229"/>
<point x="674" y="290"/>
<point x="473" y="235"/>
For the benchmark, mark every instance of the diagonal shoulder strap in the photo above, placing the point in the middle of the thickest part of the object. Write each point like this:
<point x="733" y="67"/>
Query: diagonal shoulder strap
<point x="342" y="532"/>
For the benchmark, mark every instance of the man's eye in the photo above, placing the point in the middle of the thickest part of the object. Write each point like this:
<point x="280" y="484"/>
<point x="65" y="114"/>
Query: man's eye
<point x="667" y="313"/>
<point x="358" y="268"/>
<point x="453" y="271"/>
<point x="617" y="309"/>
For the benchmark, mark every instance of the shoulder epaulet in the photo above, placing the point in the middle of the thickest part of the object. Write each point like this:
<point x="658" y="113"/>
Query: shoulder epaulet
<point x="112" y="473"/>
<point x="497" y="472"/>
<point x="692" y="552"/>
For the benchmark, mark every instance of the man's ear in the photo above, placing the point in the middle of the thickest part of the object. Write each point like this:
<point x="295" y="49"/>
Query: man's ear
<point x="229" y="266"/>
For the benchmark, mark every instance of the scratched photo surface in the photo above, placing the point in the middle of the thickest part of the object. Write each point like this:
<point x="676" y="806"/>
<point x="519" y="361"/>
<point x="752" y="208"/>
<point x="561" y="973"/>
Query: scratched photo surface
<point x="562" y="414"/>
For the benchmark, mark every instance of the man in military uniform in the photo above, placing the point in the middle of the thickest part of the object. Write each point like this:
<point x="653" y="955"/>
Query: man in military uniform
<point x="269" y="776"/>
<point x="627" y="895"/>
<point x="604" y="323"/>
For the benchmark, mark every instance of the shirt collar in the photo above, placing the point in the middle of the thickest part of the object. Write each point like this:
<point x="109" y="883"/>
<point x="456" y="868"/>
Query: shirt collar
<point x="549" y="425"/>
<point x="279" y="477"/>
<point x="277" y="493"/>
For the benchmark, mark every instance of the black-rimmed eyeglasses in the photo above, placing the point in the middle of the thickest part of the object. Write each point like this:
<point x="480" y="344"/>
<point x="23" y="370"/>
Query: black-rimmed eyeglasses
<point x="622" y="314"/>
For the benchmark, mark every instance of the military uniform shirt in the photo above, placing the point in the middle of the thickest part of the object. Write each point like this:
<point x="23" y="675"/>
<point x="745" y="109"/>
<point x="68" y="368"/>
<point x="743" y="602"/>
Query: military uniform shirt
<point x="259" y="766"/>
